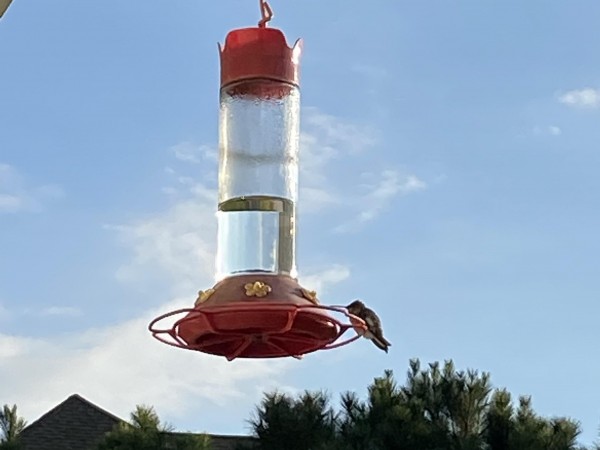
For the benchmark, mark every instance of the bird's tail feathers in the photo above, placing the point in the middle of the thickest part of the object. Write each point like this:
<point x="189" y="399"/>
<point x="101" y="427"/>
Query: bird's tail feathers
<point x="381" y="343"/>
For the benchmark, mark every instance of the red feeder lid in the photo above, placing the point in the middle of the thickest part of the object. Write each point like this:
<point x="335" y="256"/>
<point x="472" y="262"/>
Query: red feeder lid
<point x="259" y="52"/>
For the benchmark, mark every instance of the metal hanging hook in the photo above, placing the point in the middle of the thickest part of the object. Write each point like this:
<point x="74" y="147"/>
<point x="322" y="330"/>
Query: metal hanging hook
<point x="266" y="13"/>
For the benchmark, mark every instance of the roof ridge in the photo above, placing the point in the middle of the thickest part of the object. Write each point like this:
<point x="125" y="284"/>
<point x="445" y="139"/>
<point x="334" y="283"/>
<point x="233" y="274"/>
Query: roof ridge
<point x="98" y="408"/>
<point x="198" y="433"/>
<point x="71" y="397"/>
<point x="245" y="436"/>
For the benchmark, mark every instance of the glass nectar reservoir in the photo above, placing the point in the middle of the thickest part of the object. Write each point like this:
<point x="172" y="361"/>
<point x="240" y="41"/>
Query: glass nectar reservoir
<point x="259" y="125"/>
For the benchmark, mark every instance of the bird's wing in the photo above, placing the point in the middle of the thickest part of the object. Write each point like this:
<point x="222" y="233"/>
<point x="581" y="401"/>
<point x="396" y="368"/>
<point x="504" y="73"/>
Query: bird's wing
<point x="372" y="320"/>
<point x="374" y="324"/>
<point x="4" y="4"/>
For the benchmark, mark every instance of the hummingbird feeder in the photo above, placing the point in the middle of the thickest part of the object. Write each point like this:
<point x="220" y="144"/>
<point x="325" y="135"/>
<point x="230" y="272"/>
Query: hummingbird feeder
<point x="257" y="309"/>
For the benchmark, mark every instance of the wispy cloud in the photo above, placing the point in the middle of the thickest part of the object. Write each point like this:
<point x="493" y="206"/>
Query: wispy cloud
<point x="64" y="311"/>
<point x="10" y="346"/>
<point x="332" y="150"/>
<point x="19" y="195"/>
<point x="10" y="203"/>
<point x="550" y="130"/>
<point x="378" y="195"/>
<point x="49" y="311"/>
<point x="120" y="365"/>
<point x="554" y="130"/>
<point x="373" y="73"/>
<point x="178" y="244"/>
<point x="188" y="152"/>
<point x="375" y="83"/>
<point x="320" y="279"/>
<point x="331" y="131"/>
<point x="326" y="143"/>
<point x="4" y="313"/>
<point x="581" y="98"/>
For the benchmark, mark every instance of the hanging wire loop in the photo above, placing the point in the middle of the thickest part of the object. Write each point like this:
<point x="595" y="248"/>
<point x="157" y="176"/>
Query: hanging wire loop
<point x="266" y="13"/>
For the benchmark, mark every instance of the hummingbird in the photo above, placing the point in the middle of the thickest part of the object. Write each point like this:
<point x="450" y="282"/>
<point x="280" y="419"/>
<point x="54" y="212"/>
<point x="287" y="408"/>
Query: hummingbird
<point x="374" y="331"/>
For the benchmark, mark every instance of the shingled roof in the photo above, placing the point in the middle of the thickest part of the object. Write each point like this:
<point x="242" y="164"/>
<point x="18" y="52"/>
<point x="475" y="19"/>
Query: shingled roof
<point x="77" y="424"/>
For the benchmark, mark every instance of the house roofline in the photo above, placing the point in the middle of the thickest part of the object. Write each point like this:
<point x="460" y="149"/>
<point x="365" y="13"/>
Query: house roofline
<point x="80" y="398"/>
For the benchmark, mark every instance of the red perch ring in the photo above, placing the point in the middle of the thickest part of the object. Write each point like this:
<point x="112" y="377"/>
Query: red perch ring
<point x="289" y="323"/>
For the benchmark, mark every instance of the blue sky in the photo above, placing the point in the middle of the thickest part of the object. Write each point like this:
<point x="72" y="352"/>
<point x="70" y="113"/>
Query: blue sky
<point x="449" y="178"/>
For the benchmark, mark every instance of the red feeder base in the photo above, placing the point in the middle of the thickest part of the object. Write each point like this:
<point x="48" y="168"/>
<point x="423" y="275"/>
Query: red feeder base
<point x="257" y="316"/>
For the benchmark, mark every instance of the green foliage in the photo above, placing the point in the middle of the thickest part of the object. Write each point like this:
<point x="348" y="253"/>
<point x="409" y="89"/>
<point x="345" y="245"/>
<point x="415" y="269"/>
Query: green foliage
<point x="438" y="408"/>
<point x="537" y="433"/>
<point x="500" y="420"/>
<point x="305" y="423"/>
<point x="145" y="432"/>
<point x="16" y="445"/>
<point x="11" y="426"/>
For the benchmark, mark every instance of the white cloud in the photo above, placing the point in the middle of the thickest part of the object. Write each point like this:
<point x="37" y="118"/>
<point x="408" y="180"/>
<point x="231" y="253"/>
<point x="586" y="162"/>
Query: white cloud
<point x="4" y="313"/>
<point x="169" y="190"/>
<point x="188" y="152"/>
<point x="10" y="346"/>
<point x="17" y="195"/>
<point x="49" y="311"/>
<point x="554" y="130"/>
<point x="178" y="244"/>
<point x="388" y="184"/>
<point x="314" y="199"/>
<point x="120" y="365"/>
<point x="319" y="280"/>
<point x="372" y="72"/>
<point x="10" y="203"/>
<point x="327" y="144"/>
<point x="334" y="136"/>
<point x="550" y="130"/>
<point x="582" y="98"/>
<point x="65" y="311"/>
<point x="375" y="79"/>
